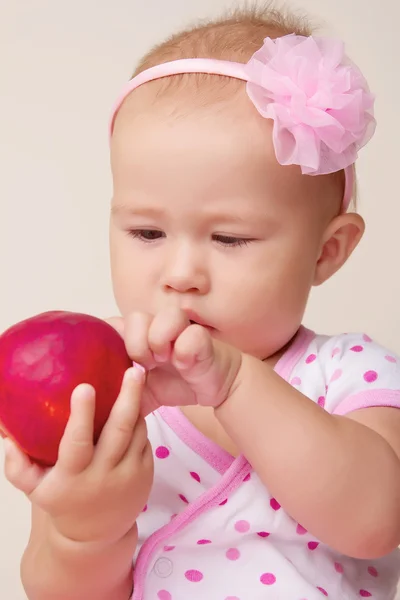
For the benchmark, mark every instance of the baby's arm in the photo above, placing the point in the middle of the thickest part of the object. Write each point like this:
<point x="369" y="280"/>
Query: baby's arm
<point x="84" y="535"/>
<point x="339" y="477"/>
<point x="54" y="567"/>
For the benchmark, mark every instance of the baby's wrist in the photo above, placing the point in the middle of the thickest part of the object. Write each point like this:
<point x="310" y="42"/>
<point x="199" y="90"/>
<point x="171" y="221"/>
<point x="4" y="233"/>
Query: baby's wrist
<point x="70" y="543"/>
<point x="237" y="375"/>
<point x="241" y="389"/>
<point x="54" y="564"/>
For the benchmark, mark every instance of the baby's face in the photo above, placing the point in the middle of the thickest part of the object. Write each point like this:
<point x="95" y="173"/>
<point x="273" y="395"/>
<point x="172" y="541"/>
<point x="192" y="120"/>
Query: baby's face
<point x="204" y="218"/>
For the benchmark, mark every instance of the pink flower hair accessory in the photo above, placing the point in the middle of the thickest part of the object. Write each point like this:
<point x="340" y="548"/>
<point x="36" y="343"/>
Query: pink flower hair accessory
<point x="319" y="101"/>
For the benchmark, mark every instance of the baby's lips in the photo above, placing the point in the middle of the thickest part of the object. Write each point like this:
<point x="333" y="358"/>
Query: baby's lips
<point x="196" y="319"/>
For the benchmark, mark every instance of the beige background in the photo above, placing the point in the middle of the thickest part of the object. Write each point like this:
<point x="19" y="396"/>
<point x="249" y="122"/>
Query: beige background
<point x="62" y="64"/>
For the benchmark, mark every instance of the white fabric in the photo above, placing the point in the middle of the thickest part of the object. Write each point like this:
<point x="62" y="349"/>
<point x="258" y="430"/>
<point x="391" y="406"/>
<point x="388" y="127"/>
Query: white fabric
<point x="212" y="530"/>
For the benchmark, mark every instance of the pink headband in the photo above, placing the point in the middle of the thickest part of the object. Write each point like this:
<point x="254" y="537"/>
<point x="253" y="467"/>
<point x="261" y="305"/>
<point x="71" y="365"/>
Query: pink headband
<point x="319" y="101"/>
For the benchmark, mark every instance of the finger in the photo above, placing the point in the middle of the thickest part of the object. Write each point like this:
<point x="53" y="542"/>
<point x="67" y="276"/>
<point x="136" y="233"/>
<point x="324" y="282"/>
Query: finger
<point x="193" y="349"/>
<point x="137" y="447"/>
<point x="19" y="470"/>
<point x="137" y="469"/>
<point x="138" y="456"/>
<point x="76" y="447"/>
<point x="120" y="428"/>
<point x="165" y="328"/>
<point x="136" y="338"/>
<point x="117" y="323"/>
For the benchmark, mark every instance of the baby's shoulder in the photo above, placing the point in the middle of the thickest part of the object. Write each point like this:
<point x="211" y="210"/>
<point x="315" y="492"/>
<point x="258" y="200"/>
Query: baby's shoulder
<point x="350" y="371"/>
<point x="350" y="349"/>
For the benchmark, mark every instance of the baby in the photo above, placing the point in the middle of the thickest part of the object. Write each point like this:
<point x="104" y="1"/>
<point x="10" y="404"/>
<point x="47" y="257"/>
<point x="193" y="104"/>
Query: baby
<point x="247" y="457"/>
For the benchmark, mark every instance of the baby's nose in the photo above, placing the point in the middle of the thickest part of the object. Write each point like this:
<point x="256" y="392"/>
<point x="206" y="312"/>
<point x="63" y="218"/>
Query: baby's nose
<point x="185" y="271"/>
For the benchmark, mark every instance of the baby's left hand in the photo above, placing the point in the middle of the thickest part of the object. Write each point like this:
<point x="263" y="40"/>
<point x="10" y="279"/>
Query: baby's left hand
<point x="185" y="364"/>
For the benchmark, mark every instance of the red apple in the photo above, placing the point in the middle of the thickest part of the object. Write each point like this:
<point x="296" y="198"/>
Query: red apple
<point x="42" y="359"/>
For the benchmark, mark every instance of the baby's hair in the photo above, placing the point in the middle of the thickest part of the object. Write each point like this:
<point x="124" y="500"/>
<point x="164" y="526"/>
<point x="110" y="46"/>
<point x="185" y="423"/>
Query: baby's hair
<point x="234" y="36"/>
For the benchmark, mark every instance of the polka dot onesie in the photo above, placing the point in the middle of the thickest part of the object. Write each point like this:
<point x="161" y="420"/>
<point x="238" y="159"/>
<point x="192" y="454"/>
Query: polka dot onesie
<point x="211" y="530"/>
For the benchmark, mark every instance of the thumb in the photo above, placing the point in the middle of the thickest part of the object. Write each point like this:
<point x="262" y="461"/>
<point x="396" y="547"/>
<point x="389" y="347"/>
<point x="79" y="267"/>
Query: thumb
<point x="19" y="470"/>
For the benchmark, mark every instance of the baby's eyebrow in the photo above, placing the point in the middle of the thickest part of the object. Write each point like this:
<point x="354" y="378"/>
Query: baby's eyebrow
<point x="211" y="216"/>
<point x="128" y="209"/>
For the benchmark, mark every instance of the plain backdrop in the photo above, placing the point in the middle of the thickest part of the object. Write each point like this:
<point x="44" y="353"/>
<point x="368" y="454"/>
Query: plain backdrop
<point x="62" y="64"/>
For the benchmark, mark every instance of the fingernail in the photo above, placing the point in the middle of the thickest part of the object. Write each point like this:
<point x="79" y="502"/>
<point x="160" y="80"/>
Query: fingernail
<point x="160" y="358"/>
<point x="180" y="365"/>
<point x="138" y="371"/>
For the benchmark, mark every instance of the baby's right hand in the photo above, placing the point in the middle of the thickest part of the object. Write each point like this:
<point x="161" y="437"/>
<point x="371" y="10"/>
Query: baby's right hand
<point x="93" y="493"/>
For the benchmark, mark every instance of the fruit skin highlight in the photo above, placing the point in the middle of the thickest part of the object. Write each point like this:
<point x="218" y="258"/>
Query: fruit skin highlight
<point x="42" y="360"/>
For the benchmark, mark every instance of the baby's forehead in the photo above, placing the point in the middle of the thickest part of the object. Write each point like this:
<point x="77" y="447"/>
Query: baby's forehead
<point x="194" y="96"/>
<point x="202" y="141"/>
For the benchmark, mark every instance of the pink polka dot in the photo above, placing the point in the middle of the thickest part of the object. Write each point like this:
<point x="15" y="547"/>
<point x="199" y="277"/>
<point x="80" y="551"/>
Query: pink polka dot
<point x="336" y="375"/>
<point x="268" y="579"/>
<point x="195" y="476"/>
<point x="321" y="401"/>
<point x="310" y="359"/>
<point x="183" y="498"/>
<point x="391" y="359"/>
<point x="365" y="594"/>
<point x="223" y="502"/>
<point x="164" y="595"/>
<point x="145" y="508"/>
<point x="204" y="542"/>
<point x="313" y="545"/>
<point x="274" y="504"/>
<point x="296" y="381"/>
<point x="263" y="534"/>
<point x="338" y="567"/>
<point x="324" y="592"/>
<point x="366" y="338"/>
<point x="194" y="575"/>
<point x="248" y="477"/>
<point x="357" y="348"/>
<point x="232" y="554"/>
<point x="372" y="571"/>
<point x="173" y="517"/>
<point x="169" y="548"/>
<point x="242" y="526"/>
<point x="300" y="529"/>
<point x="232" y="598"/>
<point x="335" y="351"/>
<point x="370" y="376"/>
<point x="162" y="452"/>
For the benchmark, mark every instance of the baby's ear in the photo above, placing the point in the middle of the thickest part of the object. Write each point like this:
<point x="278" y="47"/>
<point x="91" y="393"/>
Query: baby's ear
<point x="341" y="237"/>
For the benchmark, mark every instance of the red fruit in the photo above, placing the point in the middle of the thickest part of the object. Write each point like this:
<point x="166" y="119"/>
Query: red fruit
<point x="42" y="359"/>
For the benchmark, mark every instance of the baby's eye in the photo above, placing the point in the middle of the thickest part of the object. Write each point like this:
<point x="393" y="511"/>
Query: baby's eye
<point x="146" y="235"/>
<point x="227" y="240"/>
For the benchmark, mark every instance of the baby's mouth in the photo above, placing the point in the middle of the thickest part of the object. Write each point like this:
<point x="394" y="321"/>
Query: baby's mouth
<point x="196" y="319"/>
<point x="209" y="327"/>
